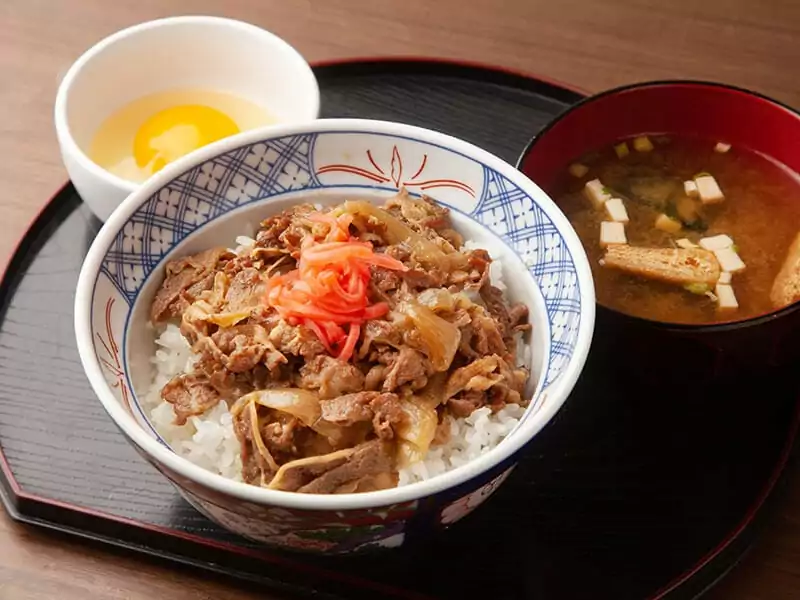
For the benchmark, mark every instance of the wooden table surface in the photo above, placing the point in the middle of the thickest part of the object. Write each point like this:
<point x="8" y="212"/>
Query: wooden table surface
<point x="592" y="44"/>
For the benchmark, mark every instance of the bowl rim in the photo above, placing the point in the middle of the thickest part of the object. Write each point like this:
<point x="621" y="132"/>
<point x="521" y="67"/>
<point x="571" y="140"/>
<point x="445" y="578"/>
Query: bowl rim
<point x="60" y="110"/>
<point x="700" y="328"/>
<point x="556" y="393"/>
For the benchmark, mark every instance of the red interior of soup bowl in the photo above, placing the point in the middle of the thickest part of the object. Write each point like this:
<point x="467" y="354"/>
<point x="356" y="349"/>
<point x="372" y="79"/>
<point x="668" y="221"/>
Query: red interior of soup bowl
<point x="709" y="110"/>
<point x="713" y="111"/>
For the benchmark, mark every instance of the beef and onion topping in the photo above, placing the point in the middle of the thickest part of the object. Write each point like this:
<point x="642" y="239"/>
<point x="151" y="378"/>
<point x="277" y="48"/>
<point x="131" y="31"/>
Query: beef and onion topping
<point x="345" y="349"/>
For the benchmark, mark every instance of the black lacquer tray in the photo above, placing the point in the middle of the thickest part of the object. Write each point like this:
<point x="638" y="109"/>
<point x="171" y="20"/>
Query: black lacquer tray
<point x="628" y="493"/>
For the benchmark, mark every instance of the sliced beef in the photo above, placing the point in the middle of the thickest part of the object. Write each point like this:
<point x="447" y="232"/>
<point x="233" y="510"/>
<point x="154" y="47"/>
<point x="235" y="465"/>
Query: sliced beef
<point x="241" y="347"/>
<point x="407" y="367"/>
<point x="258" y="467"/>
<point x="295" y="340"/>
<point x="399" y="252"/>
<point x="349" y="409"/>
<point x="292" y="238"/>
<point x="287" y="439"/>
<point x="464" y="404"/>
<point x="330" y="376"/>
<point x="509" y="389"/>
<point x="196" y="318"/>
<point x="488" y="334"/>
<point x="518" y="317"/>
<point x="442" y="434"/>
<point x="378" y="331"/>
<point x="376" y="295"/>
<point x="338" y="472"/>
<point x="419" y="278"/>
<point x="186" y="278"/>
<point x="270" y="438"/>
<point x="510" y="319"/>
<point x="237" y="264"/>
<point x="279" y="436"/>
<point x="488" y="380"/>
<point x="385" y="280"/>
<point x="261" y="378"/>
<point x="192" y="293"/>
<point x="421" y="212"/>
<point x="286" y="230"/>
<point x="493" y="299"/>
<point x="244" y="291"/>
<point x="473" y="272"/>
<point x="478" y="262"/>
<point x="373" y="381"/>
<point x="273" y="228"/>
<point x="482" y="335"/>
<point x="232" y="386"/>
<point x="383" y="285"/>
<point x="189" y="395"/>
<point x="383" y="410"/>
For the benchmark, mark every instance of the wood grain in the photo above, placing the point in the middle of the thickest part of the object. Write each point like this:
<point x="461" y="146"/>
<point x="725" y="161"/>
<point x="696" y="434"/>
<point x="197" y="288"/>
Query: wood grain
<point x="588" y="43"/>
<point x="37" y="564"/>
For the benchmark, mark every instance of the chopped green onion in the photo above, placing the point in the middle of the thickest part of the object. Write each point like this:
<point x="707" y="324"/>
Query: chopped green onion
<point x="697" y="288"/>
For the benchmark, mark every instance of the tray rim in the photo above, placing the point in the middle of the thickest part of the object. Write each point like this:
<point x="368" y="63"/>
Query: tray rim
<point x="398" y="60"/>
<point x="743" y="531"/>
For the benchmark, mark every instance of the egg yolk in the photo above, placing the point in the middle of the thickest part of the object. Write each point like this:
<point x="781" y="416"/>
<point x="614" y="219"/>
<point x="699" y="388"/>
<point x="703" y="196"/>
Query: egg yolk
<point x="176" y="131"/>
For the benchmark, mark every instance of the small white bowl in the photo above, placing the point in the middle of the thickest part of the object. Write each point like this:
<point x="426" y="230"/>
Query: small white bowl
<point x="209" y="53"/>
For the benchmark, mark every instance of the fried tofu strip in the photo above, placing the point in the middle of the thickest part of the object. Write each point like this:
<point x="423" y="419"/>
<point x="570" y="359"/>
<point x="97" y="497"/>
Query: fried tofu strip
<point x="786" y="287"/>
<point x="681" y="266"/>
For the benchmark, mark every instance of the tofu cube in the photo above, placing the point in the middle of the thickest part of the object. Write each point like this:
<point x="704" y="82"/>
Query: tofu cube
<point x="725" y="278"/>
<point x="722" y="147"/>
<point x="615" y="208"/>
<point x="716" y="242"/>
<point x="729" y="261"/>
<point x="668" y="224"/>
<point x="686" y="243"/>
<point x="708" y="189"/>
<point x="622" y="150"/>
<point x="578" y="170"/>
<point x="726" y="299"/>
<point x="642" y="144"/>
<point x="612" y="232"/>
<point x="596" y="193"/>
<point x="690" y="189"/>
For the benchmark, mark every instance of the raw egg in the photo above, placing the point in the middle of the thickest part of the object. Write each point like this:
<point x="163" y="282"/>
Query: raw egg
<point x="144" y="136"/>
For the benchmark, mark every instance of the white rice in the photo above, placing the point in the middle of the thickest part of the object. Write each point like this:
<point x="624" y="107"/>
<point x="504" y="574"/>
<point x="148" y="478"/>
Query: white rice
<point x="209" y="441"/>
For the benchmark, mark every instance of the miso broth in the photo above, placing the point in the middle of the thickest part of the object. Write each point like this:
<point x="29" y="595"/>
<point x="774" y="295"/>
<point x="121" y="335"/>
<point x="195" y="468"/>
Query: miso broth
<point x="760" y="212"/>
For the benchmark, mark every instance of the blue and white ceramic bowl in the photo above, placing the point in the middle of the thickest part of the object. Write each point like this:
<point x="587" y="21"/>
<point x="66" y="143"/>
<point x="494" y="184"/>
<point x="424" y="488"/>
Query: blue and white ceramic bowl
<point x="224" y="190"/>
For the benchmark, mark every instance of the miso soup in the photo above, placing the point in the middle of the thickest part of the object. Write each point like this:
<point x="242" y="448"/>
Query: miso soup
<point x="686" y="230"/>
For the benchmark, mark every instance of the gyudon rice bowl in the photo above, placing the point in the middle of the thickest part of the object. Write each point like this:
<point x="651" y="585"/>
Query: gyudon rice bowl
<point x="346" y="348"/>
<point x="317" y="362"/>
